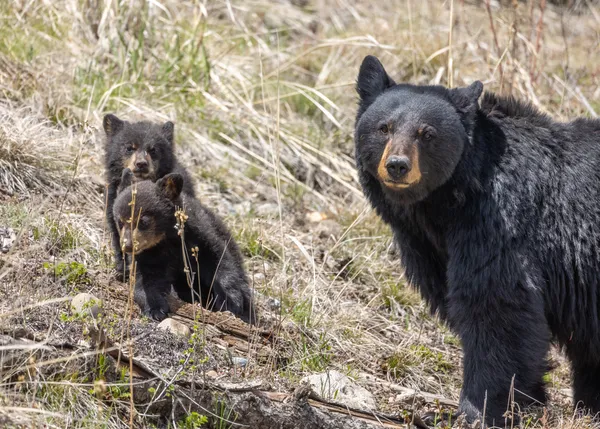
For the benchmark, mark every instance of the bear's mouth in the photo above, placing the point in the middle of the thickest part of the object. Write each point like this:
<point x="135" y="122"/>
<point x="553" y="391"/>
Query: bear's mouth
<point x="394" y="184"/>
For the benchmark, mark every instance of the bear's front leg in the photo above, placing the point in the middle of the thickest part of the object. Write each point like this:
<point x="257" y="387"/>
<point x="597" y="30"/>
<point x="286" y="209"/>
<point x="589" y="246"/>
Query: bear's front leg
<point x="499" y="315"/>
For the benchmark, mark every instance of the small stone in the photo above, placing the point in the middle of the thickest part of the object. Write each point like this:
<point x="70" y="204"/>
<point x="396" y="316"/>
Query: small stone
<point x="330" y="262"/>
<point x="212" y="373"/>
<point x="21" y="332"/>
<point x="243" y="208"/>
<point x="290" y="326"/>
<point x="239" y="361"/>
<point x="274" y="304"/>
<point x="7" y="239"/>
<point x="258" y="278"/>
<point x="315" y="217"/>
<point x="85" y="304"/>
<point x="328" y="228"/>
<point x="267" y="210"/>
<point x="335" y="386"/>
<point x="175" y="327"/>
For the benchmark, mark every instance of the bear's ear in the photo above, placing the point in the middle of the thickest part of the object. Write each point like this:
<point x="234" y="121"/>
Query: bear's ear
<point x="372" y="80"/>
<point x="170" y="186"/>
<point x="168" y="131"/>
<point x="465" y="99"/>
<point x="112" y="125"/>
<point x="126" y="180"/>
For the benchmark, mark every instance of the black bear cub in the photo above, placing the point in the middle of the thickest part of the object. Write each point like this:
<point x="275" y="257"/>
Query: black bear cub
<point x="145" y="213"/>
<point x="496" y="210"/>
<point x="147" y="149"/>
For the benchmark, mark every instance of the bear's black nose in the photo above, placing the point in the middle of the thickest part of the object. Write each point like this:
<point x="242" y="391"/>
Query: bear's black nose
<point x="397" y="166"/>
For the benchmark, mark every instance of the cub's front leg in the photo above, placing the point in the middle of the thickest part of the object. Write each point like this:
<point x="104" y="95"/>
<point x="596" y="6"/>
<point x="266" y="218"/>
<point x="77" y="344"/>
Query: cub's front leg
<point x="150" y="293"/>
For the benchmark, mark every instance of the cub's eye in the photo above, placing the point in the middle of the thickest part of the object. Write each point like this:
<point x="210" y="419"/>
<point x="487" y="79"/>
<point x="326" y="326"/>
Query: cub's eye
<point x="384" y="129"/>
<point x="144" y="223"/>
<point x="151" y="151"/>
<point x="129" y="149"/>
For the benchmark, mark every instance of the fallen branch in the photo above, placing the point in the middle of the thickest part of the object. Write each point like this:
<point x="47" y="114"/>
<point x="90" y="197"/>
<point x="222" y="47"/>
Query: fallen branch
<point x="408" y="395"/>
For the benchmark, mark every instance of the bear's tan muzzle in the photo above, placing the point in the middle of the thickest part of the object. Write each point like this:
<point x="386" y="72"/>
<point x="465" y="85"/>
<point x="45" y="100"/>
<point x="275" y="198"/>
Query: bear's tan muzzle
<point x="407" y="155"/>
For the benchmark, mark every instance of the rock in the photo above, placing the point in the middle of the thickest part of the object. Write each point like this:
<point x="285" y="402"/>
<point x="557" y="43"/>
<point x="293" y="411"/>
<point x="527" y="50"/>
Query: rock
<point x="330" y="262"/>
<point x="239" y="361"/>
<point x="328" y="228"/>
<point x="86" y="304"/>
<point x="212" y="374"/>
<point x="290" y="326"/>
<point x="335" y="386"/>
<point x="243" y="208"/>
<point x="7" y="239"/>
<point x="258" y="279"/>
<point x="267" y="210"/>
<point x="274" y="304"/>
<point x="175" y="327"/>
<point x="315" y="217"/>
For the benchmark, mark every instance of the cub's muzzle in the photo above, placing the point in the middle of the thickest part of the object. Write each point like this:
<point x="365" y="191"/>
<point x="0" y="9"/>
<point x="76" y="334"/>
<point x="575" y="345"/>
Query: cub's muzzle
<point x="126" y="243"/>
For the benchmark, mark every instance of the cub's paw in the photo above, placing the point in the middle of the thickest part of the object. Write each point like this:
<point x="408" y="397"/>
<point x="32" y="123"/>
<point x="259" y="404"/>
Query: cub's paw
<point x="157" y="309"/>
<point x="157" y="314"/>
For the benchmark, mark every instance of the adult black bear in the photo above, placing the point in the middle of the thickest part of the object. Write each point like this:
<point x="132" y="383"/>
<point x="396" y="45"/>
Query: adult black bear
<point x="496" y="211"/>
<point x="147" y="150"/>
<point x="147" y="218"/>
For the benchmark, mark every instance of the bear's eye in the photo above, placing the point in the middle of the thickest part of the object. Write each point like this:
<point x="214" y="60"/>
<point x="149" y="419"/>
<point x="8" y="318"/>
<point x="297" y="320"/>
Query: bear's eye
<point x="129" y="149"/>
<point x="151" y="151"/>
<point x="427" y="134"/>
<point x="384" y="129"/>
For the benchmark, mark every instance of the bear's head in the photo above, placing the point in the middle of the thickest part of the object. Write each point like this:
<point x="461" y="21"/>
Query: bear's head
<point x="410" y="138"/>
<point x="145" y="148"/>
<point x="145" y="211"/>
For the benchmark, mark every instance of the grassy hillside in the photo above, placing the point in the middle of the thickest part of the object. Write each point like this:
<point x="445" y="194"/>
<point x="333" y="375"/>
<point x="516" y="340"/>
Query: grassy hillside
<point x="262" y="95"/>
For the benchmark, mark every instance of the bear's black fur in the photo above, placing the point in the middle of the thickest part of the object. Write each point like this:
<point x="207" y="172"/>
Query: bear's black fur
<point x="145" y="148"/>
<point x="147" y="225"/>
<point x="496" y="211"/>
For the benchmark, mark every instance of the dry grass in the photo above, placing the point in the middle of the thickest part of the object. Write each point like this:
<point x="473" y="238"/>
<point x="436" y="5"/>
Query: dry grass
<point x="32" y="153"/>
<point x="262" y="96"/>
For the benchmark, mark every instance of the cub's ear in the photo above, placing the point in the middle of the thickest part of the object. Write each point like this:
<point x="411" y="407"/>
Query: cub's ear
<point x="126" y="180"/>
<point x="168" y="130"/>
<point x="465" y="99"/>
<point x="170" y="186"/>
<point x="372" y="80"/>
<point x="112" y="125"/>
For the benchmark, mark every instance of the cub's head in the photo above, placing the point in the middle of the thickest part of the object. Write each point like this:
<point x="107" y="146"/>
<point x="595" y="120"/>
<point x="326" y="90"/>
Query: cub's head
<point x="145" y="211"/>
<point x="145" y="148"/>
<point x="410" y="138"/>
